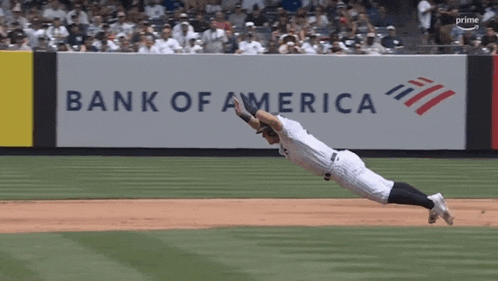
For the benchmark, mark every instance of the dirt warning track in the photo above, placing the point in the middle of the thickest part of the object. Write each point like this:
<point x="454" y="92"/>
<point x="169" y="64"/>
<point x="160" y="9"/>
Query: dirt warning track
<point x="154" y="214"/>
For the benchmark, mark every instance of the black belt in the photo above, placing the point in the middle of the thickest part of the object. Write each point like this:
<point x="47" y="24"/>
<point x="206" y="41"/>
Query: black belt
<point x="328" y="176"/>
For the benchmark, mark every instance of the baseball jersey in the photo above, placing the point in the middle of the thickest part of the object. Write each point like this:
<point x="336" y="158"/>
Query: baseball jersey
<point x="303" y="149"/>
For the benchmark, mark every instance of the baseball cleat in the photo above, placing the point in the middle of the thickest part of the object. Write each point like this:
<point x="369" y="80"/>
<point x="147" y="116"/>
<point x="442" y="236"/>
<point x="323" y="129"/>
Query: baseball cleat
<point x="440" y="208"/>
<point x="433" y="216"/>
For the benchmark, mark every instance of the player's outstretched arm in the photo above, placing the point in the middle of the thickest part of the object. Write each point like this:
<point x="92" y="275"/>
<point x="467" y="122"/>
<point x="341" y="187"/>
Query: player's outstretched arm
<point x="270" y="119"/>
<point x="252" y="121"/>
<point x="262" y="115"/>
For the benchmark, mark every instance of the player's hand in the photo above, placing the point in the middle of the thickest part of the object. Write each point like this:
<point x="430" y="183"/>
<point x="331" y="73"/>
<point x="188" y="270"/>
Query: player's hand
<point x="238" y="108"/>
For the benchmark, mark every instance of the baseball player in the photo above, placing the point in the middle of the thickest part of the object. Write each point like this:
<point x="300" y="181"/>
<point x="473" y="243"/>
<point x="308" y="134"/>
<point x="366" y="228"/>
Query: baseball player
<point x="344" y="167"/>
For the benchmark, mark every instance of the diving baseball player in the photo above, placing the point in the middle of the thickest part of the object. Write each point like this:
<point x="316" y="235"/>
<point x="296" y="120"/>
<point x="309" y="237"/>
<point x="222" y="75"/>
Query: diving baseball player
<point x="344" y="167"/>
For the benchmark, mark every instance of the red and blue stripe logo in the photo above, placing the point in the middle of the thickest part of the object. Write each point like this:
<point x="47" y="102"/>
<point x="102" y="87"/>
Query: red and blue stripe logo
<point x="423" y="88"/>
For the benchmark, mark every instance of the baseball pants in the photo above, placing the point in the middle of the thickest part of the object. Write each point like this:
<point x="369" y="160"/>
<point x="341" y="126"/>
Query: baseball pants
<point x="350" y="172"/>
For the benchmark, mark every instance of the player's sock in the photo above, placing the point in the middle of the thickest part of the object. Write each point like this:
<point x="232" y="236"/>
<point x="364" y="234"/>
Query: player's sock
<point x="404" y="197"/>
<point x="408" y="187"/>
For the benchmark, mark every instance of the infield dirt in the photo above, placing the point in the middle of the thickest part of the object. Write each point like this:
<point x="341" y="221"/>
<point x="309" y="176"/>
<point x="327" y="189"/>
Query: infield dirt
<point x="155" y="214"/>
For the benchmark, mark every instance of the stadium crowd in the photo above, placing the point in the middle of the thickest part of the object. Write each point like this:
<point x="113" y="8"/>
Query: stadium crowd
<point x="241" y="26"/>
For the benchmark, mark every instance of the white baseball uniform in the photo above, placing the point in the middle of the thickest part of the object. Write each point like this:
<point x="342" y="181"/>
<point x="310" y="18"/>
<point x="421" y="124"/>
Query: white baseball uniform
<point x="344" y="167"/>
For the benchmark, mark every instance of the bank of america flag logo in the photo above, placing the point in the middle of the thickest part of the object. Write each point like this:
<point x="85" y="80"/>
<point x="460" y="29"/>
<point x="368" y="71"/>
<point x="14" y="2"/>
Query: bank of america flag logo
<point x="421" y="93"/>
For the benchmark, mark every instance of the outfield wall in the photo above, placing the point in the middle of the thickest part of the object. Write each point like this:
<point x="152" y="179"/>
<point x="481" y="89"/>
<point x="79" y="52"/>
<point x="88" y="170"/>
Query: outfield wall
<point x="184" y="102"/>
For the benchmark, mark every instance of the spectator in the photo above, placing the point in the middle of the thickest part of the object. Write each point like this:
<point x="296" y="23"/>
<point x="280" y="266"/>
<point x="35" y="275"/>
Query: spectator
<point x="249" y="27"/>
<point x="184" y="35"/>
<point x="272" y="47"/>
<point x="352" y="12"/>
<point x="336" y="48"/>
<point x="374" y="13"/>
<point x="5" y="6"/>
<point x="299" y="23"/>
<point x="351" y="39"/>
<point x="384" y="19"/>
<point x="232" y="44"/>
<point x="54" y="10"/>
<point x="221" y="23"/>
<point x="334" y="41"/>
<point x="149" y="47"/>
<point x="363" y="26"/>
<point x="103" y="44"/>
<point x="135" y="17"/>
<point x="249" y="46"/>
<point x="214" y="39"/>
<point x="290" y="48"/>
<point x="212" y="7"/>
<point x="447" y="13"/>
<point x="228" y="5"/>
<point x="319" y="19"/>
<point x="281" y="13"/>
<point x="62" y="47"/>
<point x="155" y="11"/>
<point x="177" y="17"/>
<point x="124" y="44"/>
<point x="34" y="32"/>
<point x="95" y="10"/>
<point x="282" y="25"/>
<point x="121" y="26"/>
<point x="143" y="30"/>
<point x="4" y="44"/>
<point x="238" y="18"/>
<point x="3" y="28"/>
<point x="177" y="29"/>
<point x="312" y="45"/>
<point x="76" y="37"/>
<point x="250" y="5"/>
<point x="95" y="27"/>
<point x="490" y="11"/>
<point x="15" y="30"/>
<point x="391" y="41"/>
<point x="19" y="41"/>
<point x="57" y="32"/>
<point x="358" y="49"/>
<point x="87" y="46"/>
<point x="43" y="44"/>
<point x="371" y="47"/>
<point x="290" y="36"/>
<point x="425" y="20"/>
<point x="76" y="21"/>
<point x="168" y="45"/>
<point x="341" y="13"/>
<point x="199" y="23"/>
<point x="468" y="42"/>
<point x="79" y="14"/>
<point x="342" y="28"/>
<point x="193" y="47"/>
<point x="18" y="17"/>
<point x="488" y="40"/>
<point x="257" y="17"/>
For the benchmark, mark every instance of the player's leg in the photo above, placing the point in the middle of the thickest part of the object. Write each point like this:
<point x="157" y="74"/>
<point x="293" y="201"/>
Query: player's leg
<point x="404" y="196"/>
<point x="403" y="193"/>
<point x="408" y="187"/>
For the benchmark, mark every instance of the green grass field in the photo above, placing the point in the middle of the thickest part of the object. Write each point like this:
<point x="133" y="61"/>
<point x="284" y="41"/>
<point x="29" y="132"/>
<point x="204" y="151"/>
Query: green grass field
<point x="323" y="253"/>
<point x="40" y="177"/>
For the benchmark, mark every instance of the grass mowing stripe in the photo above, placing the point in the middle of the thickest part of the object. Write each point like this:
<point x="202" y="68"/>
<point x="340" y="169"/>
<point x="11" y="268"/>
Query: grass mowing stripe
<point x="117" y="177"/>
<point x="157" y="259"/>
<point x="12" y="268"/>
<point x="327" y="253"/>
<point x="54" y="258"/>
